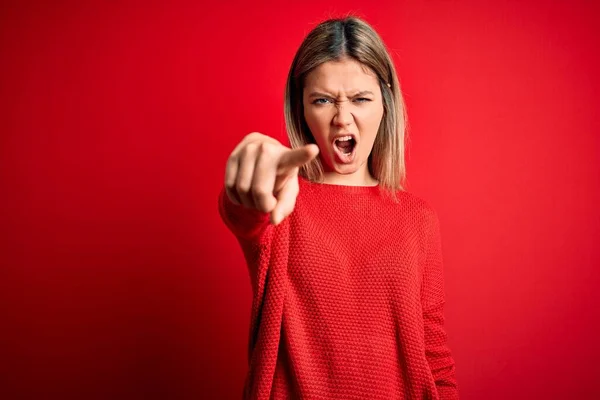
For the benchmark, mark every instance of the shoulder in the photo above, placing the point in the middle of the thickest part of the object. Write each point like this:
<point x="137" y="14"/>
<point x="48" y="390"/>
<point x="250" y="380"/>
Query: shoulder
<point x="415" y="204"/>
<point x="421" y="218"/>
<point x="419" y="211"/>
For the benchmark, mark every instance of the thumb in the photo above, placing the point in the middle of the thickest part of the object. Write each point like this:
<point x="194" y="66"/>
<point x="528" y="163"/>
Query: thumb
<point x="286" y="200"/>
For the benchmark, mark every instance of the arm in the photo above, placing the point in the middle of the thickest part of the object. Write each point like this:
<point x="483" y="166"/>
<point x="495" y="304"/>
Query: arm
<point x="261" y="176"/>
<point x="437" y="351"/>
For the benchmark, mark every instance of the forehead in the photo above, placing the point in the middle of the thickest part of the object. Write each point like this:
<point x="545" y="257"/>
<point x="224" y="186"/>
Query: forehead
<point x="345" y="74"/>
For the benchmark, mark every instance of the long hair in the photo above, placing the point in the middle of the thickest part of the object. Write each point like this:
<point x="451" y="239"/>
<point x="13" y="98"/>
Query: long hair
<point x="333" y="40"/>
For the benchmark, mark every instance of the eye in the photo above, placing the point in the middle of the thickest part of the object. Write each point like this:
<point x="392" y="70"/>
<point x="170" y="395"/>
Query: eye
<point x="320" y="101"/>
<point x="363" y="100"/>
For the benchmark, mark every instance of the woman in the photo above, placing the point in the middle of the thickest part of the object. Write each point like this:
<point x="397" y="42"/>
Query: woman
<point x="345" y="265"/>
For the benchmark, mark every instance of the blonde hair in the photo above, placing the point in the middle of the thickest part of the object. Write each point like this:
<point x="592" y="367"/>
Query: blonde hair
<point x="333" y="40"/>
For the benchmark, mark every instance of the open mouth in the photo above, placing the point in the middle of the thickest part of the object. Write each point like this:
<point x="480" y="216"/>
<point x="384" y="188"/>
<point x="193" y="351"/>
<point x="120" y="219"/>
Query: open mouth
<point x="345" y="149"/>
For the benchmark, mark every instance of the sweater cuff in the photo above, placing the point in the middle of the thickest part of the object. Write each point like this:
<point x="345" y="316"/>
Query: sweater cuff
<point x="244" y="223"/>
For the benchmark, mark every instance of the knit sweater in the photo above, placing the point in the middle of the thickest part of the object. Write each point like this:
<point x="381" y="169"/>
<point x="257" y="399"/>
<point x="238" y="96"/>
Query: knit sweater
<point x="348" y="297"/>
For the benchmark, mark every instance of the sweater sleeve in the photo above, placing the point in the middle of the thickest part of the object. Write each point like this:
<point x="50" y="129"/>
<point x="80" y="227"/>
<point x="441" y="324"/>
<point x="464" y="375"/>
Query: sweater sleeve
<point x="245" y="223"/>
<point x="437" y="351"/>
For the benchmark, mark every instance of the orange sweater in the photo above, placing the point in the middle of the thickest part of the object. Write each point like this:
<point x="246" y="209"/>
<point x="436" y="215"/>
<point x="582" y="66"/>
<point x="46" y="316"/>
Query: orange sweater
<point x="348" y="297"/>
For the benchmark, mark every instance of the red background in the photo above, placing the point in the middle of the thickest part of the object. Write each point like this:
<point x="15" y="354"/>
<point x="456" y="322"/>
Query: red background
<point x="118" y="279"/>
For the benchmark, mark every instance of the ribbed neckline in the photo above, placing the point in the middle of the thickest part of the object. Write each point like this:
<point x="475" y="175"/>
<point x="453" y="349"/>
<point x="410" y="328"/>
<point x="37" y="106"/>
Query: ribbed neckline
<point x="342" y="189"/>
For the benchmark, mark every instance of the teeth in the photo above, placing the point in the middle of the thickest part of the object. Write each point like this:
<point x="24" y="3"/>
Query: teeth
<point x="345" y="139"/>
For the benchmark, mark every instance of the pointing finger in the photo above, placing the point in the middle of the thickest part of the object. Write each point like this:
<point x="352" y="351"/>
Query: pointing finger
<point x="297" y="157"/>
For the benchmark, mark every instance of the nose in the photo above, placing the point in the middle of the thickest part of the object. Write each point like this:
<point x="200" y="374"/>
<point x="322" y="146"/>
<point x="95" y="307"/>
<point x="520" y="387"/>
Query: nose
<point x="343" y="116"/>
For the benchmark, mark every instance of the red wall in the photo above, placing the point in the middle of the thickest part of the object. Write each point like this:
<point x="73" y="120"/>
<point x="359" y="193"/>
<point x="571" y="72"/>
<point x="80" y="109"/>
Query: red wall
<point x="118" y="279"/>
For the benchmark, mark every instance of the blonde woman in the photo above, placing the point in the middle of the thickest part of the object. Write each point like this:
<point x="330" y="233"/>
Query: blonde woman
<point x="345" y="264"/>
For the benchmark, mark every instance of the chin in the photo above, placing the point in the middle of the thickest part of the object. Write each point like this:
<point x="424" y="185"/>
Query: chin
<point x="346" y="169"/>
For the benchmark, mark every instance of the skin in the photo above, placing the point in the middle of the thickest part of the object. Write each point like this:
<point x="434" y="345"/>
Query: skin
<point x="262" y="174"/>
<point x="343" y="96"/>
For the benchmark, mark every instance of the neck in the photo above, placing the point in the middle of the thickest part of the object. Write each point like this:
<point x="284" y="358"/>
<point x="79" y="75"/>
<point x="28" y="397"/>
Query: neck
<point x="359" y="178"/>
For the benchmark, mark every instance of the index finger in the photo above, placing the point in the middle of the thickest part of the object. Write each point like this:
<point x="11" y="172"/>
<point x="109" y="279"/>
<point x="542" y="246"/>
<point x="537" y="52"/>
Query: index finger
<point x="297" y="157"/>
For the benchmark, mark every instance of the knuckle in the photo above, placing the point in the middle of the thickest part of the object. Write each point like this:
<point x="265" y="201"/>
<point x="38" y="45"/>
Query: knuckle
<point x="231" y="162"/>
<point x="268" y="149"/>
<point x="253" y="135"/>
<point x="249" y="137"/>
<point x="259" y="190"/>
<point x="250" y="148"/>
<point x="229" y="184"/>
<point x="242" y="187"/>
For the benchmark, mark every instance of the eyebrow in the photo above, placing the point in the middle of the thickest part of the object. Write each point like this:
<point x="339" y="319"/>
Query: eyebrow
<point x="319" y="94"/>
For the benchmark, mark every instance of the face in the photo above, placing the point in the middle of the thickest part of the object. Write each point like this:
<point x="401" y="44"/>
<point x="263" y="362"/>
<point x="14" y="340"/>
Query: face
<point x="342" y="100"/>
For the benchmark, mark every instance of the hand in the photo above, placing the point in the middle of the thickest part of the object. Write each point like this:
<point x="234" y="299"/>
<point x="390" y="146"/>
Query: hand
<point x="262" y="174"/>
